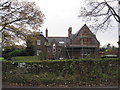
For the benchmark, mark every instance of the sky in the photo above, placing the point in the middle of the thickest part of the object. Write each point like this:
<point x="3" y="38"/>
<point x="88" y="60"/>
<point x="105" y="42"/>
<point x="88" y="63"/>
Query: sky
<point x="62" y="14"/>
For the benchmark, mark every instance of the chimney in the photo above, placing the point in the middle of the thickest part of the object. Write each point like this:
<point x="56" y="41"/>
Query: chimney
<point x="46" y="32"/>
<point x="69" y="31"/>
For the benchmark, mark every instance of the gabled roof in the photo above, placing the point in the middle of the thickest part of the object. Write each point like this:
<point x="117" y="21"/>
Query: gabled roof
<point x="85" y="27"/>
<point x="43" y="37"/>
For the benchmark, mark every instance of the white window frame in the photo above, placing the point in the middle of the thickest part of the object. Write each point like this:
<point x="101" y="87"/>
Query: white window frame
<point x="38" y="42"/>
<point x="54" y="49"/>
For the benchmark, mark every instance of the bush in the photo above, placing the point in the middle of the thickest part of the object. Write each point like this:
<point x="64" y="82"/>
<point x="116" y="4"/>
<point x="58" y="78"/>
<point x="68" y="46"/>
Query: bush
<point x="16" y="52"/>
<point x="63" y="72"/>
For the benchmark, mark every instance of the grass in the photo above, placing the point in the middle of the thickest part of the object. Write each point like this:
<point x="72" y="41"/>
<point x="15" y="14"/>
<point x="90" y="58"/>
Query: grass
<point x="26" y="59"/>
<point x="2" y="59"/>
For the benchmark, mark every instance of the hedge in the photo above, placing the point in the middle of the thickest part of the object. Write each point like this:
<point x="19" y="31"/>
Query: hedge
<point x="37" y="59"/>
<point x="61" y="72"/>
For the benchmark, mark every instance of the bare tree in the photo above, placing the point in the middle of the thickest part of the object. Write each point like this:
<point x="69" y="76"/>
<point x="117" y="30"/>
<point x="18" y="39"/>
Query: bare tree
<point x="101" y="12"/>
<point x="17" y="19"/>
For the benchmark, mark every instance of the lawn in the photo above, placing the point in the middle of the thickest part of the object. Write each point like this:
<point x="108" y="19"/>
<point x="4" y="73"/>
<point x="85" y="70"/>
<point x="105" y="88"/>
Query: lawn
<point x="2" y="59"/>
<point x="26" y="59"/>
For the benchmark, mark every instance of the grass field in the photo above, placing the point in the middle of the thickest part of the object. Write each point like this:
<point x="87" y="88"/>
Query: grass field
<point x="25" y="59"/>
<point x="2" y="59"/>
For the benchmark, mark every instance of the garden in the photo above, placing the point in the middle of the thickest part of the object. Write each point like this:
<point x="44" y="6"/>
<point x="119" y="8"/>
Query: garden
<point x="30" y="71"/>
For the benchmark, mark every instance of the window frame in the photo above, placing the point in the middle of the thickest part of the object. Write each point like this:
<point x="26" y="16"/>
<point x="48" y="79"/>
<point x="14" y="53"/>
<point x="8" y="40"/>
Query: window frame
<point x="38" y="42"/>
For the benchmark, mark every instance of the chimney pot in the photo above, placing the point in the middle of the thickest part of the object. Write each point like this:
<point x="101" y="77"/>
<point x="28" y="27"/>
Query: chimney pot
<point x="46" y="32"/>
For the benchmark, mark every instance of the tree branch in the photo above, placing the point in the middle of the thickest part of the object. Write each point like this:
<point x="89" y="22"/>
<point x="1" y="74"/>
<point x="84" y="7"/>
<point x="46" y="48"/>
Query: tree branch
<point x="116" y="16"/>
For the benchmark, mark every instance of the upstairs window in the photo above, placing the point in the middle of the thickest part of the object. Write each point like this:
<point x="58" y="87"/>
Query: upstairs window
<point x="85" y="34"/>
<point x="86" y="41"/>
<point x="38" y="42"/>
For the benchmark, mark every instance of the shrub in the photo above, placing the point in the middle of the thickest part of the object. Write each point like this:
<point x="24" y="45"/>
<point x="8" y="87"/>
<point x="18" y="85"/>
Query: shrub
<point x="16" y="52"/>
<point x="65" y="72"/>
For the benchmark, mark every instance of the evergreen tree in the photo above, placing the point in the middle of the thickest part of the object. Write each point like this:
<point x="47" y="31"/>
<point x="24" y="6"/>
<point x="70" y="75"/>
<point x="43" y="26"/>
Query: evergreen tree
<point x="30" y="51"/>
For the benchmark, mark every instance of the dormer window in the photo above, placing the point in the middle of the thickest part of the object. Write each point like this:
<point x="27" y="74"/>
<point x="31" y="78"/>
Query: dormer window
<point x="38" y="42"/>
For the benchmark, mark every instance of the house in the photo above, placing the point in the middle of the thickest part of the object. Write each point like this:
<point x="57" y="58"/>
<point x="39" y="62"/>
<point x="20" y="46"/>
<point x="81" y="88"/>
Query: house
<point x="40" y="45"/>
<point x="82" y="44"/>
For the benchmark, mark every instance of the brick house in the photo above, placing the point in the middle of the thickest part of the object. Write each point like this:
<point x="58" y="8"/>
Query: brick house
<point x="82" y="44"/>
<point x="40" y="45"/>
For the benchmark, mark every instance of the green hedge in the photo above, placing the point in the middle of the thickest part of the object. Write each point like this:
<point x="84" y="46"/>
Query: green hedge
<point x="82" y="72"/>
<point x="37" y="59"/>
<point x="84" y="59"/>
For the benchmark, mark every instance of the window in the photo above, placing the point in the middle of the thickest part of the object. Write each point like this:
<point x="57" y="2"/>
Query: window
<point x="85" y="34"/>
<point x="54" y="49"/>
<point x="38" y="42"/>
<point x="38" y="52"/>
<point x="86" y="41"/>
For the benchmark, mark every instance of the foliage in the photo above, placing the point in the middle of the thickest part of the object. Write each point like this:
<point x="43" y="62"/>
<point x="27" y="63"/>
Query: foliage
<point x="76" y="73"/>
<point x="16" y="17"/>
<point x="11" y="51"/>
<point x="17" y="52"/>
<point x="33" y="59"/>
<point x="30" y="51"/>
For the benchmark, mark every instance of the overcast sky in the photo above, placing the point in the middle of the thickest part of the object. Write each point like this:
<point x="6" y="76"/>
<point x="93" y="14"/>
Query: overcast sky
<point x="62" y="14"/>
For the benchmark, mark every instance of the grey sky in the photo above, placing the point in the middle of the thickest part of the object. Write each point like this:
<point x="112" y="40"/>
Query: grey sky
<point x="62" y="14"/>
